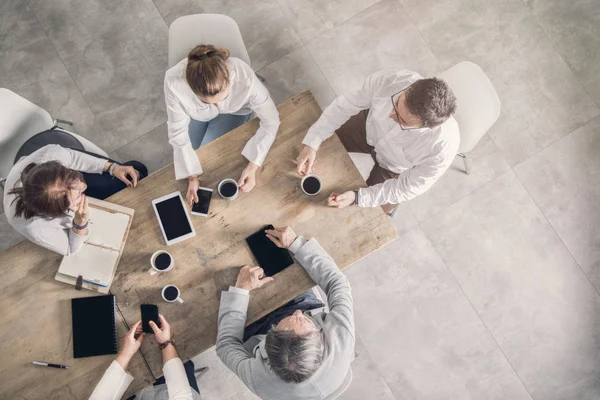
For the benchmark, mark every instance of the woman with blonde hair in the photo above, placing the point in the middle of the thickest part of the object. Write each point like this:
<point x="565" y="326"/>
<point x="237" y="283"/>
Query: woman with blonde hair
<point x="208" y="94"/>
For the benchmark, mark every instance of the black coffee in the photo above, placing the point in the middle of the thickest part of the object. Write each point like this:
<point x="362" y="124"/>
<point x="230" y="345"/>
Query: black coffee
<point x="171" y="293"/>
<point x="228" y="189"/>
<point x="311" y="185"/>
<point x="162" y="261"/>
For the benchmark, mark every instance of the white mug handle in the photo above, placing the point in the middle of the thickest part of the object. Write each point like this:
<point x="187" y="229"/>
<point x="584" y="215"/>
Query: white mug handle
<point x="152" y="271"/>
<point x="179" y="299"/>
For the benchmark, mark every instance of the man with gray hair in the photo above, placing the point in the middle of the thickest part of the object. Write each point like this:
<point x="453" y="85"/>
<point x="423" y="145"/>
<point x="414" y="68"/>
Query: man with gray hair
<point x="299" y="351"/>
<point x="404" y="122"/>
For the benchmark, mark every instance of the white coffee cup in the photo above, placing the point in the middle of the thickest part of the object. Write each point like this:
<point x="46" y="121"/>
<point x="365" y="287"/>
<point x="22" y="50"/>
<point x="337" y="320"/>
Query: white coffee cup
<point x="223" y="182"/>
<point x="154" y="269"/>
<point x="311" y="176"/>
<point x="178" y="298"/>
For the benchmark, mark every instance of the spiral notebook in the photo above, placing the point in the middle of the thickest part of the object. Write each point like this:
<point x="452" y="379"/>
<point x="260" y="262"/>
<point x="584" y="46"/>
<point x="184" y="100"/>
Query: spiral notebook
<point x="94" y="326"/>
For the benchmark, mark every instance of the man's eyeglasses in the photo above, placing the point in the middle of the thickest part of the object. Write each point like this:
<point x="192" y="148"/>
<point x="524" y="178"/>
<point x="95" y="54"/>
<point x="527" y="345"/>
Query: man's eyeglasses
<point x="401" y="120"/>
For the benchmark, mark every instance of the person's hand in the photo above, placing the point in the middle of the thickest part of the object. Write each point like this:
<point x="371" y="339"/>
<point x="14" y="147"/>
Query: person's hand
<point x="248" y="179"/>
<point x="122" y="171"/>
<point x="251" y="278"/>
<point x="192" y="191"/>
<point x="282" y="237"/>
<point x="163" y="333"/>
<point x="306" y="160"/>
<point x="83" y="211"/>
<point x="130" y="344"/>
<point x="341" y="200"/>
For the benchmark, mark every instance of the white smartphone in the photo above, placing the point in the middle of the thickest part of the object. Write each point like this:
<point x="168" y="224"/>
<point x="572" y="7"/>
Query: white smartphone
<point x="175" y="223"/>
<point x="203" y="204"/>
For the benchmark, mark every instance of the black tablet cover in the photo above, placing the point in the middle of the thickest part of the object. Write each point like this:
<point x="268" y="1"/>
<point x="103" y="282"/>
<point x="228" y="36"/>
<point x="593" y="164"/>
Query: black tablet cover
<point x="271" y="258"/>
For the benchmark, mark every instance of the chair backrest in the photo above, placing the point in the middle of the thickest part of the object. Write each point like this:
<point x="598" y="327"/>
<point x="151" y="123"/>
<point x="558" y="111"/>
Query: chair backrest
<point x="20" y="119"/>
<point x="478" y="104"/>
<point x="188" y="31"/>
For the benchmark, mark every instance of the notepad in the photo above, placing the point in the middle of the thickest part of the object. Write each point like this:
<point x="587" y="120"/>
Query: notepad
<point x="97" y="260"/>
<point x="94" y="326"/>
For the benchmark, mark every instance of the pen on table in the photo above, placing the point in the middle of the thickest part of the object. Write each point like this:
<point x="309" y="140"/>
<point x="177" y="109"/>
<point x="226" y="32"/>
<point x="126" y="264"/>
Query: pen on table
<point x="45" y="364"/>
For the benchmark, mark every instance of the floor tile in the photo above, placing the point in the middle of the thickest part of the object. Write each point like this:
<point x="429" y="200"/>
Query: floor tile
<point x="267" y="33"/>
<point x="367" y="381"/>
<point x="8" y="236"/>
<point x="574" y="29"/>
<point x="541" y="98"/>
<point x="18" y="26"/>
<point x="563" y="181"/>
<point x="536" y="302"/>
<point x="219" y="382"/>
<point x="487" y="162"/>
<point x="36" y="73"/>
<point x="382" y="36"/>
<point x="304" y="18"/>
<point x="152" y="149"/>
<point x="416" y="323"/>
<point x="296" y="73"/>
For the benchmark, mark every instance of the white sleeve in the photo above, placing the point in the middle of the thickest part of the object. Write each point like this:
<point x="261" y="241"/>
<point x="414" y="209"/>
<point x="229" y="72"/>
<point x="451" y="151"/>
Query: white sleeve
<point x="113" y="384"/>
<point x="176" y="380"/>
<point x="59" y="240"/>
<point x="184" y="157"/>
<point x="407" y="185"/>
<point x="260" y="101"/>
<point x="342" y="108"/>
<point x="70" y="158"/>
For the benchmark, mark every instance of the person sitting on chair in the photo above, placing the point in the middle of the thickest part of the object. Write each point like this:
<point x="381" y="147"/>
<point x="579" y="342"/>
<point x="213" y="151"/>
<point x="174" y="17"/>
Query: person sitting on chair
<point x="45" y="193"/>
<point x="178" y="383"/>
<point x="299" y="351"/>
<point x="209" y="94"/>
<point x="404" y="122"/>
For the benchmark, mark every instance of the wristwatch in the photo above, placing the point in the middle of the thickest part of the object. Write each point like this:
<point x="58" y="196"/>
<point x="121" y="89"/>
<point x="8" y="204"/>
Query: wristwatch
<point x="164" y="345"/>
<point x="356" y="197"/>
<point x="112" y="168"/>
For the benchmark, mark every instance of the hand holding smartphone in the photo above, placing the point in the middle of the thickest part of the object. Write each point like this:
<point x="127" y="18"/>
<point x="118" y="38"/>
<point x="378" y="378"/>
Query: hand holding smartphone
<point x="203" y="204"/>
<point x="149" y="313"/>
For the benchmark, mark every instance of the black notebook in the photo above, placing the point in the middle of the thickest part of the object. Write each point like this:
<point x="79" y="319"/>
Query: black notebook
<point x="94" y="326"/>
<point x="271" y="258"/>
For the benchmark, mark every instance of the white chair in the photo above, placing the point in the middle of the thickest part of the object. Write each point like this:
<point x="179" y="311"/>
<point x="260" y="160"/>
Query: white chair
<point x="20" y="119"/>
<point x="345" y="385"/>
<point x="478" y="104"/>
<point x="188" y="31"/>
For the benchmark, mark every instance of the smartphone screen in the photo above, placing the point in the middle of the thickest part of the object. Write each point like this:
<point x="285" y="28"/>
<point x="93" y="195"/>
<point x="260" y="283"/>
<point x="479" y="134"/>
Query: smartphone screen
<point x="149" y="313"/>
<point x="203" y="204"/>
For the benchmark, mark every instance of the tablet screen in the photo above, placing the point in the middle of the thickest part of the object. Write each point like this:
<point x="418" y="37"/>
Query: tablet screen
<point x="173" y="218"/>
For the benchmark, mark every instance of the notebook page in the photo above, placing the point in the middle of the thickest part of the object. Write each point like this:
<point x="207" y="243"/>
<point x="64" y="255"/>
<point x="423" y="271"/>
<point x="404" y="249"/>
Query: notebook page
<point x="106" y="228"/>
<point x="95" y="264"/>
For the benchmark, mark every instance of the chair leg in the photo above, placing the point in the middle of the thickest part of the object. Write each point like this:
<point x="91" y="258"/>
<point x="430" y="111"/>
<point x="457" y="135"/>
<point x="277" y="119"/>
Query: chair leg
<point x="466" y="162"/>
<point x="62" y="121"/>
<point x="261" y="78"/>
<point x="393" y="212"/>
<point x="2" y="180"/>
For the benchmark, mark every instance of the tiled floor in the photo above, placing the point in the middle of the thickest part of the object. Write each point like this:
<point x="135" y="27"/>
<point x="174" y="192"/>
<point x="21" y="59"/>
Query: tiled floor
<point x="492" y="290"/>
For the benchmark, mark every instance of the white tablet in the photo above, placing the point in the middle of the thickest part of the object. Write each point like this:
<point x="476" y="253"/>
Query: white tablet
<point x="173" y="218"/>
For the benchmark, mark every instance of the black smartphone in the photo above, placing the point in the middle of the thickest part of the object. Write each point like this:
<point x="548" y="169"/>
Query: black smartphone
<point x="149" y="313"/>
<point x="201" y="207"/>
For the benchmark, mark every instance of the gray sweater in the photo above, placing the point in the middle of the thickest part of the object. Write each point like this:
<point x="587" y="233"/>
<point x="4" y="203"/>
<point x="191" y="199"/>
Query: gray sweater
<point x="252" y="367"/>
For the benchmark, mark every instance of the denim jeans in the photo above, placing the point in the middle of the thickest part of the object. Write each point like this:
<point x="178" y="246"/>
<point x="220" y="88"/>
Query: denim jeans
<point x="203" y="132"/>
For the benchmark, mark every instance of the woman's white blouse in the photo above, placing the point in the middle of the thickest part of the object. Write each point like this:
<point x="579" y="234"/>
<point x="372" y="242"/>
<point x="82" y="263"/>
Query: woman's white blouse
<point x="247" y="94"/>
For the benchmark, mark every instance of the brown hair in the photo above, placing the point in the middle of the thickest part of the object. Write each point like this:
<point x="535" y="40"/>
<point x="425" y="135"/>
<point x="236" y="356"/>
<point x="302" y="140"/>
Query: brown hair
<point x="207" y="72"/>
<point x="431" y="100"/>
<point x="45" y="190"/>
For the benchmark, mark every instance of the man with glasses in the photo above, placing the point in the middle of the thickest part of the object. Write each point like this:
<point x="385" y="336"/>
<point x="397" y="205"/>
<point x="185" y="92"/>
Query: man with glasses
<point x="299" y="351"/>
<point x="404" y="121"/>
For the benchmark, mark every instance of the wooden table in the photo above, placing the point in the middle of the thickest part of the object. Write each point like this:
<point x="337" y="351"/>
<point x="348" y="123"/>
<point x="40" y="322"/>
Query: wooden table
<point x="209" y="263"/>
<point x="35" y="322"/>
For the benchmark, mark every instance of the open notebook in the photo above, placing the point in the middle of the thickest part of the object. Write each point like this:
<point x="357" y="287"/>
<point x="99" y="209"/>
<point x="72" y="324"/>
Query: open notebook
<point x="98" y="258"/>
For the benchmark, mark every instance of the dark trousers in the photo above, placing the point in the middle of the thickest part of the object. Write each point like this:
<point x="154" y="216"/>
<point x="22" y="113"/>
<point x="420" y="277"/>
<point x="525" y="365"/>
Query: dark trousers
<point x="102" y="186"/>
<point x="305" y="302"/>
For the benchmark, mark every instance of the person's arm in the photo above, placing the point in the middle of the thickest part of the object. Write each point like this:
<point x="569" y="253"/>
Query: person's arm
<point x="342" y="108"/>
<point x="408" y="184"/>
<point x="232" y="319"/>
<point x="178" y="385"/>
<point x="116" y="379"/>
<point x="185" y="160"/>
<point x="260" y="102"/>
<point x="72" y="159"/>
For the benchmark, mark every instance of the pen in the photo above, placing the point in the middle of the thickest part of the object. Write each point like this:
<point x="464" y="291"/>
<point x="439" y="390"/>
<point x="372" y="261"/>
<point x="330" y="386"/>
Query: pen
<point x="45" y="364"/>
